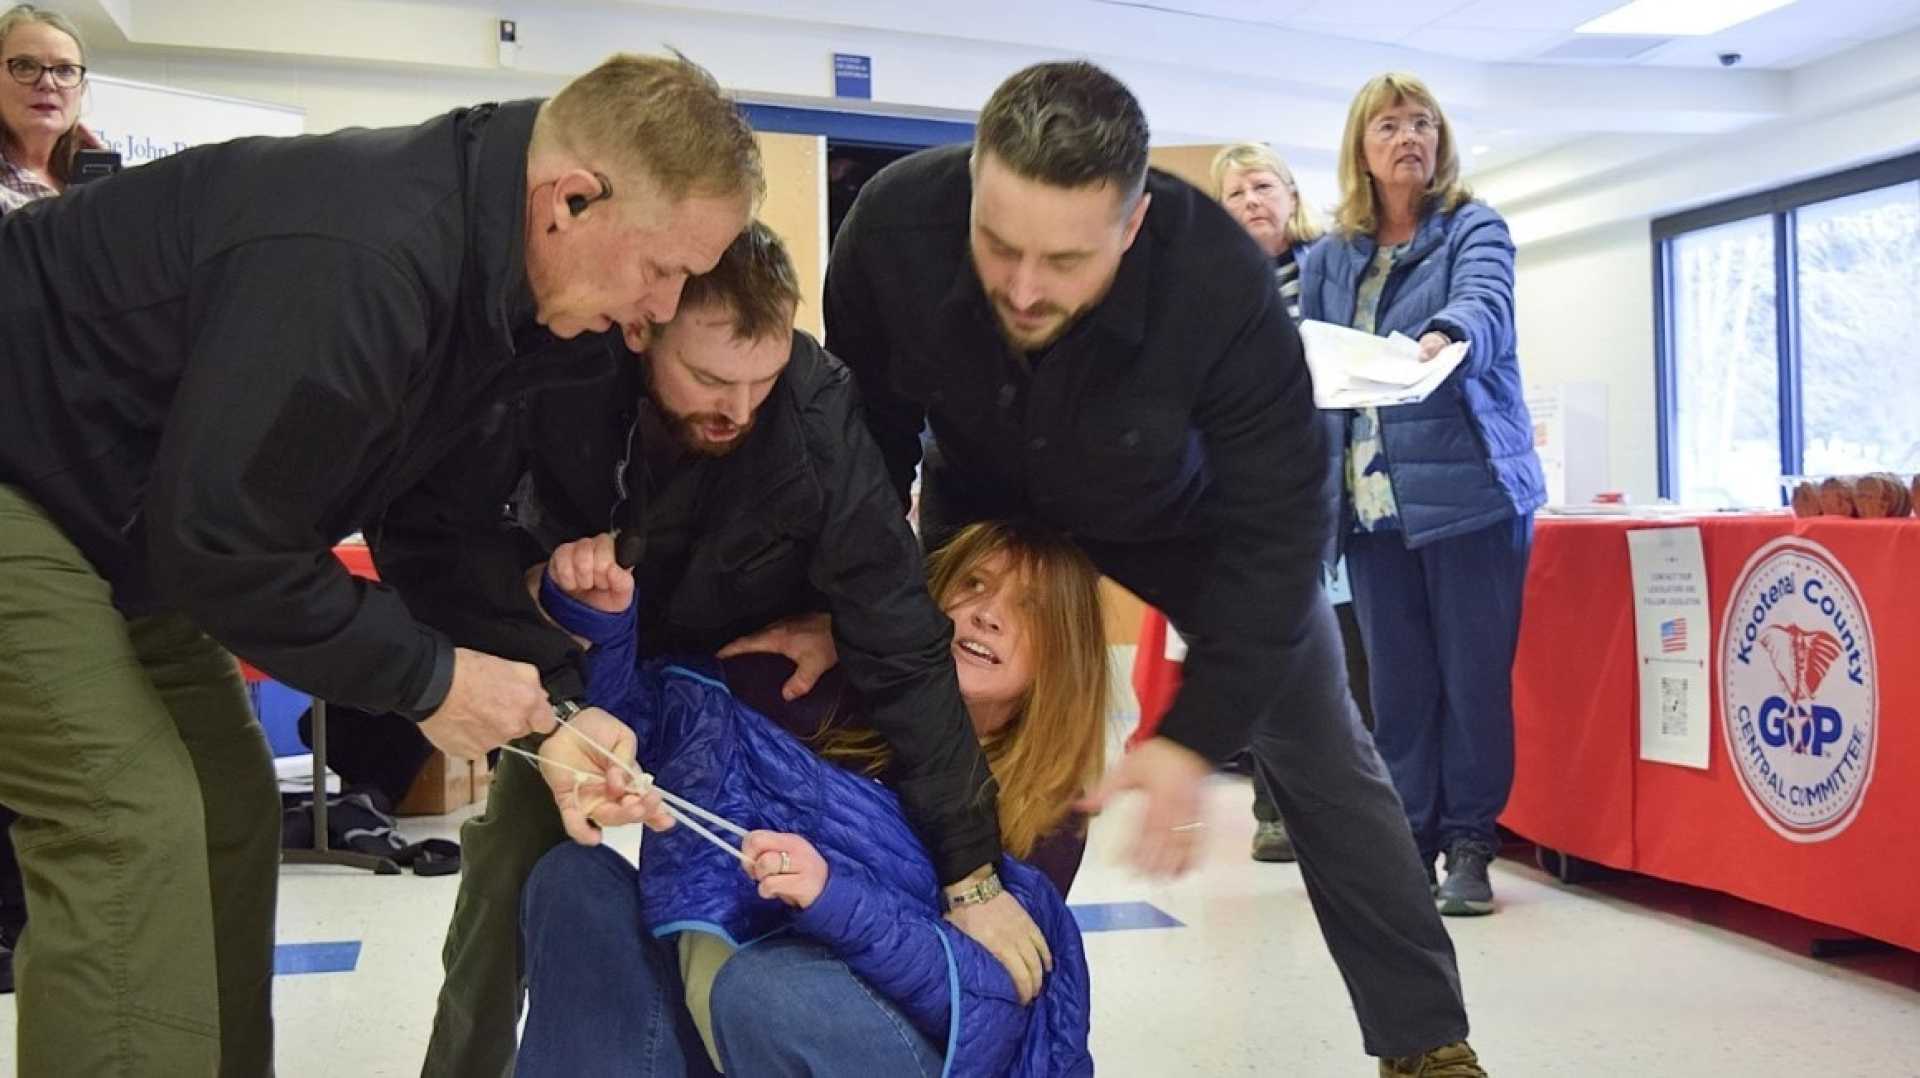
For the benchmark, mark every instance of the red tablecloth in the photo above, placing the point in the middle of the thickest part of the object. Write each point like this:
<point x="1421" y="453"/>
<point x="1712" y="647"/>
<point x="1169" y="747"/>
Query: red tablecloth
<point x="1580" y="786"/>
<point x="1156" y="678"/>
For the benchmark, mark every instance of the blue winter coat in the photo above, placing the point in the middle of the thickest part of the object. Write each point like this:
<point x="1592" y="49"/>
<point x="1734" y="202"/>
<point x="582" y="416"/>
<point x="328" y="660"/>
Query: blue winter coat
<point x="1462" y="459"/>
<point x="880" y="911"/>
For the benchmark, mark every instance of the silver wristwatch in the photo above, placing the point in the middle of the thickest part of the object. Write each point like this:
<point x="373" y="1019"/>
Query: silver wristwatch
<point x="979" y="894"/>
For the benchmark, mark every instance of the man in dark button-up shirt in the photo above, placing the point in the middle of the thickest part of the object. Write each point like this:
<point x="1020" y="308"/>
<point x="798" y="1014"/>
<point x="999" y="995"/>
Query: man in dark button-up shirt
<point x="1100" y="347"/>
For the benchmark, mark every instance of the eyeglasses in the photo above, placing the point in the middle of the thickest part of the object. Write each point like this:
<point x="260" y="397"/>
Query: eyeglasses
<point x="1389" y="129"/>
<point x="26" y="71"/>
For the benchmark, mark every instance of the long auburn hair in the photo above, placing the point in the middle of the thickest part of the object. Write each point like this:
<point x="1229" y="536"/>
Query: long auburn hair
<point x="1054" y="748"/>
<point x="1359" y="209"/>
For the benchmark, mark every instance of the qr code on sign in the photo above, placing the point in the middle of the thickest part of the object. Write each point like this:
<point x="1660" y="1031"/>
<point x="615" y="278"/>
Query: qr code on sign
<point x="1673" y="706"/>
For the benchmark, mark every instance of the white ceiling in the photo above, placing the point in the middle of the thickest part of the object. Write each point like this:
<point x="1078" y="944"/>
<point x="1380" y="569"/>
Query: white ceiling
<point x="1511" y="31"/>
<point x="1282" y="71"/>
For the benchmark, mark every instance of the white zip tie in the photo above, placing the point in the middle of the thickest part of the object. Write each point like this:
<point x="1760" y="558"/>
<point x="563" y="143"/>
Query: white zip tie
<point x="647" y="780"/>
<point x="678" y="817"/>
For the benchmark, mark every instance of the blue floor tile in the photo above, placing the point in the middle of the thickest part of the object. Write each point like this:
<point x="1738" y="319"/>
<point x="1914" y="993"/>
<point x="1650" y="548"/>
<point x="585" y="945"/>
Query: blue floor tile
<point x="1122" y="917"/>
<point x="336" y="957"/>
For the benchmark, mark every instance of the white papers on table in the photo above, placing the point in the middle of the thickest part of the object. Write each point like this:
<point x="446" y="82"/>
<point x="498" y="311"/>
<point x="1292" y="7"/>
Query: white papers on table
<point x="1352" y="369"/>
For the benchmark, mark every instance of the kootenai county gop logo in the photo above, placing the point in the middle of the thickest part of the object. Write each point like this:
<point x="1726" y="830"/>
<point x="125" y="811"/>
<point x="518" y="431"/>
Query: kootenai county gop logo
<point x="1799" y="696"/>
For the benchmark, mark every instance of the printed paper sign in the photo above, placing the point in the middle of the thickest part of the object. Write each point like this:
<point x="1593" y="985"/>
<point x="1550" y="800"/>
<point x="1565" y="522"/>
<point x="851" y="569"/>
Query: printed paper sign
<point x="1674" y="635"/>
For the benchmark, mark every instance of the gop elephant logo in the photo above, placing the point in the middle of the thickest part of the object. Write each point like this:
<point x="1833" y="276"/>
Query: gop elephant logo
<point x="1800" y="697"/>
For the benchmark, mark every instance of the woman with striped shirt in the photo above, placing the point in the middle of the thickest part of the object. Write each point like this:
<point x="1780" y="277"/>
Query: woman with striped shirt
<point x="1257" y="188"/>
<point x="1259" y="191"/>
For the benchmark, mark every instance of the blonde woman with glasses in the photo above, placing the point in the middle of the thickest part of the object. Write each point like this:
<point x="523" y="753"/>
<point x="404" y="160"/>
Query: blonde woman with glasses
<point x="1438" y="497"/>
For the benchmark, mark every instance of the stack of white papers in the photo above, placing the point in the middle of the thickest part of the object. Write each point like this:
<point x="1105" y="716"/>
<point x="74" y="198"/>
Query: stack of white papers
<point x="1352" y="369"/>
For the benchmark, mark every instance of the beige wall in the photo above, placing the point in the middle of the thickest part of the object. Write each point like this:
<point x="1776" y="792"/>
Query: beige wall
<point x="796" y="210"/>
<point x="1191" y="163"/>
<point x="1584" y="310"/>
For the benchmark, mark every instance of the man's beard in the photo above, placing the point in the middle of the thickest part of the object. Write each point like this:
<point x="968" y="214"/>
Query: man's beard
<point x="687" y="431"/>
<point x="1057" y="330"/>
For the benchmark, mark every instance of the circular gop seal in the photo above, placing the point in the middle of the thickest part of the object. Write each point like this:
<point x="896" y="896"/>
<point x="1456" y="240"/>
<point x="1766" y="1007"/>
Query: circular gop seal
<point x="1799" y="690"/>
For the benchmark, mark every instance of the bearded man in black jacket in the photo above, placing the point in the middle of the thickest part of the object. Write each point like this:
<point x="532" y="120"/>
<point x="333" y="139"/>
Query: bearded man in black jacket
<point x="756" y="513"/>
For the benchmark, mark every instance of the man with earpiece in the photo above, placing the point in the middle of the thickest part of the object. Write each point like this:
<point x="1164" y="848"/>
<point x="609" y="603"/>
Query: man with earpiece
<point x="213" y="367"/>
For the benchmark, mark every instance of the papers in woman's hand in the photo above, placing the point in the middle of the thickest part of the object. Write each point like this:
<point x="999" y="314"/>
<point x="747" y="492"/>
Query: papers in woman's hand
<point x="1352" y="369"/>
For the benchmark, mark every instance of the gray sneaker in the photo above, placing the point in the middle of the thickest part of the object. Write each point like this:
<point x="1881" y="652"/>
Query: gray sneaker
<point x="1272" y="843"/>
<point x="1466" y="891"/>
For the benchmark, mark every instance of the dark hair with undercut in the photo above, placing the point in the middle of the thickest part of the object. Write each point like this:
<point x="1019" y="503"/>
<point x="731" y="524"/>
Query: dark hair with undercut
<point x="755" y="281"/>
<point x="1067" y="124"/>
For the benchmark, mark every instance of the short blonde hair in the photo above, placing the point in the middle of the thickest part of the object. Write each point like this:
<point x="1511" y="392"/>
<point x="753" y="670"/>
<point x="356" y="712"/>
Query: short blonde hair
<point x="1259" y="157"/>
<point x="661" y="117"/>
<point x="1359" y="209"/>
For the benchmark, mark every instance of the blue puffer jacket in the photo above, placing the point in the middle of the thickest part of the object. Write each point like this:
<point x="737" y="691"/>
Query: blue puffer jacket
<point x="880" y="911"/>
<point x="1462" y="459"/>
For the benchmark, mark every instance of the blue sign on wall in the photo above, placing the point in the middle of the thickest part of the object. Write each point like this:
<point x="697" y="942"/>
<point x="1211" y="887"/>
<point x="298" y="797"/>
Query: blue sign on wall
<point x="852" y="76"/>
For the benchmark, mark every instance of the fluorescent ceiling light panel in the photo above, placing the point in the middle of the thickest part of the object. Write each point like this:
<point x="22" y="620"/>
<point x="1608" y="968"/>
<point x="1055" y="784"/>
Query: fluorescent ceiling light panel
<point x="1678" y="17"/>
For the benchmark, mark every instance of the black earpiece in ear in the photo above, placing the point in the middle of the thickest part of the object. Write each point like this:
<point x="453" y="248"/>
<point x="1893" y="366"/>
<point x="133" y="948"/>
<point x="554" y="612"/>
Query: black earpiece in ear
<point x="577" y="204"/>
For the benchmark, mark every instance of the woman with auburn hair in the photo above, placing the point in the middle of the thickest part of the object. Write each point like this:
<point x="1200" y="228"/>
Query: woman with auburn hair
<point x="1046" y="742"/>
<point x="1438" y="497"/>
<point x="839" y="910"/>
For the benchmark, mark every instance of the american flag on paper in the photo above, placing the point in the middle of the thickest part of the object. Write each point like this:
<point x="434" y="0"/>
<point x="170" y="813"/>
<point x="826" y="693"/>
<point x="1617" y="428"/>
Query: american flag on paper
<point x="1673" y="636"/>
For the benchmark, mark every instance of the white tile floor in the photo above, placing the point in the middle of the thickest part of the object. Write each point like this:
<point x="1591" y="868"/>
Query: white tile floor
<point x="1562" y="982"/>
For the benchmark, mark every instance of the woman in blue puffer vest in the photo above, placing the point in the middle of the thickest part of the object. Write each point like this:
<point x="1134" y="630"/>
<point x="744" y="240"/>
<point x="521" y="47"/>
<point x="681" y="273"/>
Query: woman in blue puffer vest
<point x="842" y="963"/>
<point x="1438" y="497"/>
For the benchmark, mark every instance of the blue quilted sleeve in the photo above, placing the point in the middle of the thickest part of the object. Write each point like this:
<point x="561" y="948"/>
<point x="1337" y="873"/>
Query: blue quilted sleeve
<point x="918" y="961"/>
<point x="1479" y="306"/>
<point x="612" y="676"/>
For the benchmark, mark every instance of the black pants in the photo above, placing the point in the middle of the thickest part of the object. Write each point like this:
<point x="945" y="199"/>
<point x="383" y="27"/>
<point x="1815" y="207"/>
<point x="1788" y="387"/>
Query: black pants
<point x="13" y="893"/>
<point x="1359" y="861"/>
<point x="1264" y="809"/>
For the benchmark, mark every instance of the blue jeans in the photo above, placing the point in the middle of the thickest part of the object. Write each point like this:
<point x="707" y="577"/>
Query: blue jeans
<point x="1441" y="624"/>
<point x="606" y="999"/>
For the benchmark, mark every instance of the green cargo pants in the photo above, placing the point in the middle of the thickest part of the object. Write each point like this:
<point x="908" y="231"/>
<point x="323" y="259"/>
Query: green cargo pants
<point x="149" y="815"/>
<point x="480" y="1001"/>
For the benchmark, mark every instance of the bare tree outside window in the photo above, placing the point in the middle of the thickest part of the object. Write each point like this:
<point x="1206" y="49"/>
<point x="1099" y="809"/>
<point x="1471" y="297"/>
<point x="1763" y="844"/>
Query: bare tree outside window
<point x="1726" y="443"/>
<point x="1860" y="331"/>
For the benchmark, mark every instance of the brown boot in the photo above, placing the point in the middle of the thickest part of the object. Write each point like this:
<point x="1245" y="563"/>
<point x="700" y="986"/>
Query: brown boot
<point x="1454" y="1060"/>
